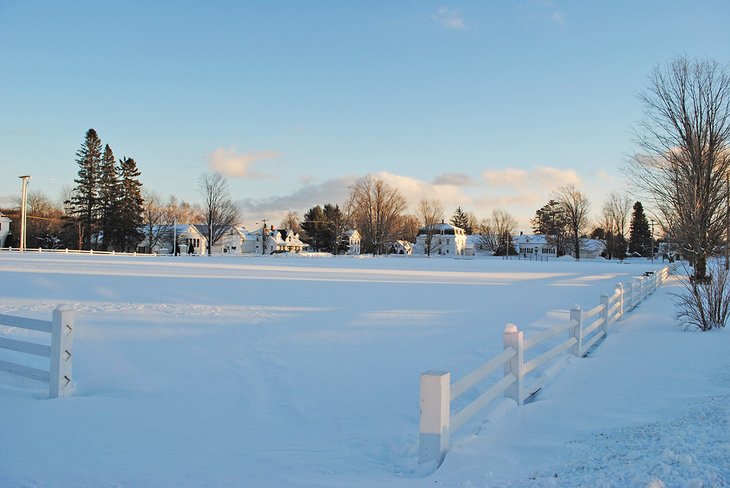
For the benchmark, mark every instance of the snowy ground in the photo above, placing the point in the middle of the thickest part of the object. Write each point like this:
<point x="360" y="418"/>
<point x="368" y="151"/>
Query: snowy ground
<point x="304" y="372"/>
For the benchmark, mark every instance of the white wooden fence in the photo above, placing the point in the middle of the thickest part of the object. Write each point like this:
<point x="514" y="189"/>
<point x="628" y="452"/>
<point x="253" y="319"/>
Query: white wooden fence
<point x="518" y="379"/>
<point x="77" y="251"/>
<point x="60" y="350"/>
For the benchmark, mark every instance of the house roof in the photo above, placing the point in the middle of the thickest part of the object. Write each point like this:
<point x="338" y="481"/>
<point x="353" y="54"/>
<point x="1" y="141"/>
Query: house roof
<point x="530" y="239"/>
<point x="441" y="228"/>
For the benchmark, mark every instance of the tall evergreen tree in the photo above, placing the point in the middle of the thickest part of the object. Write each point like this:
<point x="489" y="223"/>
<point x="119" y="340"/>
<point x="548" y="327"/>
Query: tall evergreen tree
<point x="130" y="208"/>
<point x="337" y="225"/>
<point x="84" y="201"/>
<point x="463" y="220"/>
<point x="108" y="197"/>
<point x="639" y="233"/>
<point x="316" y="226"/>
<point x="551" y="221"/>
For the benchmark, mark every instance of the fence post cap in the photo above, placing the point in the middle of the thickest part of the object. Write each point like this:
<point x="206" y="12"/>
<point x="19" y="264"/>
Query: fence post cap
<point x="510" y="329"/>
<point x="65" y="308"/>
<point x="432" y="372"/>
<point x="575" y="307"/>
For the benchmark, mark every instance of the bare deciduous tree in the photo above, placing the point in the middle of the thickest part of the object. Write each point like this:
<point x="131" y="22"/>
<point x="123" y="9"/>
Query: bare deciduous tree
<point x="496" y="231"/>
<point x="376" y="209"/>
<point x="45" y="221"/>
<point x="155" y="218"/>
<point x="220" y="212"/>
<point x="291" y="221"/>
<point x="576" y="207"/>
<point x="614" y="215"/>
<point x="408" y="226"/>
<point x="683" y="161"/>
<point x="431" y="212"/>
<point x="183" y="212"/>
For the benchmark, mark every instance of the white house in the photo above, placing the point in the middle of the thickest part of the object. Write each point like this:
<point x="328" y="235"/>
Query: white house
<point x="591" y="248"/>
<point x="4" y="229"/>
<point x="352" y="239"/>
<point x="287" y="240"/>
<point x="231" y="242"/>
<point x="284" y="240"/>
<point x="446" y="240"/>
<point x="401" y="247"/>
<point x="189" y="239"/>
<point x="534" y="245"/>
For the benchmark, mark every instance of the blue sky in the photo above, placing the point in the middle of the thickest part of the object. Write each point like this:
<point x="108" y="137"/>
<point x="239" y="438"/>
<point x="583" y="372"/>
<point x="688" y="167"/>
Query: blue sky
<point x="483" y="104"/>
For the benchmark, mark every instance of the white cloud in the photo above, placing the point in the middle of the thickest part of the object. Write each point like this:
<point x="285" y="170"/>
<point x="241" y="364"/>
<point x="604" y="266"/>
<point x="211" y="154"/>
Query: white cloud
<point x="557" y="18"/>
<point x="518" y="191"/>
<point x="274" y="208"/>
<point x="543" y="11"/>
<point x="543" y="177"/>
<point x="228" y="163"/>
<point x="505" y="177"/>
<point x="415" y="190"/>
<point x="450" y="18"/>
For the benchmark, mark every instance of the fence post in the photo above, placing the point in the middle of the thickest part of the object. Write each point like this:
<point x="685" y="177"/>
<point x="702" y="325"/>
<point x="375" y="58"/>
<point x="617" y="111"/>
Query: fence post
<point x="62" y="327"/>
<point x="620" y="288"/>
<point x="638" y="282"/>
<point x="604" y="313"/>
<point x="630" y="294"/>
<point x="514" y="338"/>
<point x="577" y="314"/>
<point x="435" y="416"/>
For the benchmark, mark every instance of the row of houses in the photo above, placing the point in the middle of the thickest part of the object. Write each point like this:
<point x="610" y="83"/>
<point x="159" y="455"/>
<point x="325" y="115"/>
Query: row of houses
<point x="192" y="239"/>
<point x="443" y="239"/>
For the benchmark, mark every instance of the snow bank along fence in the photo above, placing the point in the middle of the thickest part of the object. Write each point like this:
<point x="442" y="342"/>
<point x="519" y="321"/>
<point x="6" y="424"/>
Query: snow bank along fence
<point x="60" y="351"/>
<point x="584" y="329"/>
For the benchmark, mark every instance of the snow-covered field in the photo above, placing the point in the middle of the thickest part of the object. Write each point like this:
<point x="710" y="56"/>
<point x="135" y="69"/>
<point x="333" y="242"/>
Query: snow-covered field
<point x="304" y="372"/>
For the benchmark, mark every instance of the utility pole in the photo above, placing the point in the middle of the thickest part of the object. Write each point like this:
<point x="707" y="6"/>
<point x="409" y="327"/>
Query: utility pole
<point x="651" y="241"/>
<point x="727" y="222"/>
<point x="263" y="237"/>
<point x="23" y="216"/>
<point x="174" y="236"/>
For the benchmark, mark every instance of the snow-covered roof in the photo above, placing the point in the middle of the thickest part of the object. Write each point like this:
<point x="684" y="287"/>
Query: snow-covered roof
<point x="530" y="239"/>
<point x="442" y="228"/>
<point x="592" y="245"/>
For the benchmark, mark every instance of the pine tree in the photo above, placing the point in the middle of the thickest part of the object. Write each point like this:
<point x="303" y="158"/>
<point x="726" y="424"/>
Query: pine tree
<point x="336" y="223"/>
<point x="109" y="197"/>
<point x="640" y="235"/>
<point x="551" y="221"/>
<point x="131" y="206"/>
<point x="460" y="219"/>
<point x="84" y="202"/>
<point x="315" y="225"/>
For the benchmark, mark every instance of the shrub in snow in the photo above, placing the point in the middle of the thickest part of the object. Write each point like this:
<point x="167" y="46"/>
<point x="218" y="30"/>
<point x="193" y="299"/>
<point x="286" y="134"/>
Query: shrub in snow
<point x="704" y="304"/>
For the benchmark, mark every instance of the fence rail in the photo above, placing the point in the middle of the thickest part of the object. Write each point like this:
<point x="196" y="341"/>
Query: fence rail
<point x="585" y="330"/>
<point x="59" y="351"/>
<point x="77" y="251"/>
